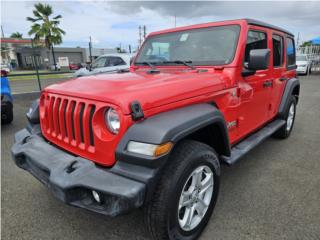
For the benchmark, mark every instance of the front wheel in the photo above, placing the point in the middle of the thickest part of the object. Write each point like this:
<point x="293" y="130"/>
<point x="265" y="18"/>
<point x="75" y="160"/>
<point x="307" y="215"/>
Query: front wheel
<point x="186" y="194"/>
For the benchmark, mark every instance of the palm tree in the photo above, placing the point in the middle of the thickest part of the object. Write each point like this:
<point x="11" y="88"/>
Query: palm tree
<point x="45" y="28"/>
<point x="16" y="35"/>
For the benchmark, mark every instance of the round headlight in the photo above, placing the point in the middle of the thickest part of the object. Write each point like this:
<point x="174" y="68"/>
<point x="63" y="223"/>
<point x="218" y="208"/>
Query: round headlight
<point x="112" y="120"/>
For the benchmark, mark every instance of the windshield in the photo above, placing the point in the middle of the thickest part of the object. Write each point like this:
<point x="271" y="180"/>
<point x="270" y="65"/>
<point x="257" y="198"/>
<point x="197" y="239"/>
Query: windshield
<point x="204" y="46"/>
<point x="301" y="58"/>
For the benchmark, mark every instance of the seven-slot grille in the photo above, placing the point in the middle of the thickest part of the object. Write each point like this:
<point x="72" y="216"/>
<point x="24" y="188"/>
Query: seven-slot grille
<point x="69" y="120"/>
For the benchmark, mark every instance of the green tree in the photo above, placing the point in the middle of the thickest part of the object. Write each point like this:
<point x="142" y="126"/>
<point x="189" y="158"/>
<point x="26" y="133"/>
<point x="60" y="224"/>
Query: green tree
<point x="46" y="28"/>
<point x="306" y="44"/>
<point x="16" y="35"/>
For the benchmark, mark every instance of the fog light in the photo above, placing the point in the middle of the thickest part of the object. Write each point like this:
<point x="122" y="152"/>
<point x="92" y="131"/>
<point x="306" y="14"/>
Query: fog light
<point x="96" y="196"/>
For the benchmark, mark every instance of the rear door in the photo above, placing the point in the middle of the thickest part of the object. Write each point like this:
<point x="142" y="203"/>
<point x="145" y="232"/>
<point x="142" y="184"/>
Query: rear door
<point x="278" y="71"/>
<point x="255" y="89"/>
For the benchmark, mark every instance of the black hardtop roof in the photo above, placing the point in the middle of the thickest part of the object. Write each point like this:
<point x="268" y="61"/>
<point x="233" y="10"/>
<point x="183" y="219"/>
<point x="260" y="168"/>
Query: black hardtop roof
<point x="267" y="25"/>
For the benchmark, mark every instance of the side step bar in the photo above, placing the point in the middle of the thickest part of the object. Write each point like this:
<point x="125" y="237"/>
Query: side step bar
<point x="252" y="141"/>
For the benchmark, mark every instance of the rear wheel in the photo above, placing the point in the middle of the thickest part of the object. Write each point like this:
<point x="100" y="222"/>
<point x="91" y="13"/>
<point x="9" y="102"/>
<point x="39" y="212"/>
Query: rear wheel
<point x="285" y="130"/>
<point x="186" y="194"/>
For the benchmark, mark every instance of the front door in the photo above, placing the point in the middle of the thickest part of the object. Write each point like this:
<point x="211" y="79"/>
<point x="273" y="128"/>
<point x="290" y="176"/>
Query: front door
<point x="254" y="90"/>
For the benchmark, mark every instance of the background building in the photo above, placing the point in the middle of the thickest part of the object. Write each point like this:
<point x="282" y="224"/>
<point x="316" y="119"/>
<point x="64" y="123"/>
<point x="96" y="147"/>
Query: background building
<point x="18" y="53"/>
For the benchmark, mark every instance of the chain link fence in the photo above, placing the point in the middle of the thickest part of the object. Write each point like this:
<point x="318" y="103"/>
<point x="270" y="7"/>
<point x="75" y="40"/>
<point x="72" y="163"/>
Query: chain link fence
<point x="313" y="54"/>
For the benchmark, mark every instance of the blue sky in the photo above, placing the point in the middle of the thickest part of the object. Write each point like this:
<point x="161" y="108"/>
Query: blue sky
<point x="113" y="23"/>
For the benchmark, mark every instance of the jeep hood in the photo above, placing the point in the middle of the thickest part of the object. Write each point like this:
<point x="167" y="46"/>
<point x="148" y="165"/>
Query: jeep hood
<point x="151" y="90"/>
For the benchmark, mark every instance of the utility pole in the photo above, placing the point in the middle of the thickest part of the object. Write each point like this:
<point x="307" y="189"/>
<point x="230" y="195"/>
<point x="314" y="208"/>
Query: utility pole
<point x="35" y="62"/>
<point x="54" y="58"/>
<point x="2" y="33"/>
<point x="175" y="20"/>
<point x="140" y="40"/>
<point x="144" y="32"/>
<point x="298" y="39"/>
<point x="90" y="47"/>
<point x="129" y="48"/>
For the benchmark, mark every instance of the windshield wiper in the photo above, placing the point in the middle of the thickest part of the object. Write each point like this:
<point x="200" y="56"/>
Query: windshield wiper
<point x="186" y="63"/>
<point x="153" y="68"/>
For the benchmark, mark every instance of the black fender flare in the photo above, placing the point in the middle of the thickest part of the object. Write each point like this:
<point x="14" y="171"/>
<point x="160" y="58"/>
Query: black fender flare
<point x="288" y="92"/>
<point x="175" y="125"/>
<point x="172" y="126"/>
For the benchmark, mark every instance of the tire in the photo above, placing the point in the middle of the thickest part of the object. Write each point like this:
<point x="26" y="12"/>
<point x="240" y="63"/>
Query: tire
<point x="7" y="117"/>
<point x="285" y="131"/>
<point x="161" y="215"/>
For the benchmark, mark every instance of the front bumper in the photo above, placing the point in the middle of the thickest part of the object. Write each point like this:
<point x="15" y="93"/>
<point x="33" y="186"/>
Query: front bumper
<point x="72" y="179"/>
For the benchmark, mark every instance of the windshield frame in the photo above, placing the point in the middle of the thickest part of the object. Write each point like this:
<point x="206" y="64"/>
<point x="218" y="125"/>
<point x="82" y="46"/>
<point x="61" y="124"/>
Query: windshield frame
<point x="194" y="63"/>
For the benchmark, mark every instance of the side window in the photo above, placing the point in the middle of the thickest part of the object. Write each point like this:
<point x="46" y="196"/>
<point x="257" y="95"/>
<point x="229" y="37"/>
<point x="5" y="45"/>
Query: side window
<point x="116" y="61"/>
<point x="255" y="40"/>
<point x="277" y="42"/>
<point x="291" y="53"/>
<point x="99" y="62"/>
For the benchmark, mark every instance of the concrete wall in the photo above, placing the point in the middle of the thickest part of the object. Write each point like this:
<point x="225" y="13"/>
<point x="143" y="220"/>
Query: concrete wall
<point x="44" y="56"/>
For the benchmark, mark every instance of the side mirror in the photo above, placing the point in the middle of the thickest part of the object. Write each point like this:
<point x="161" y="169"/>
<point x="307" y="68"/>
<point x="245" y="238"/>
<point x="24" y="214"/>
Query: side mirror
<point x="259" y="59"/>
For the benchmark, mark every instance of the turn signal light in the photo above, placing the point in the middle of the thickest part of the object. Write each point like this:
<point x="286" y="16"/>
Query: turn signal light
<point x="148" y="149"/>
<point x="162" y="149"/>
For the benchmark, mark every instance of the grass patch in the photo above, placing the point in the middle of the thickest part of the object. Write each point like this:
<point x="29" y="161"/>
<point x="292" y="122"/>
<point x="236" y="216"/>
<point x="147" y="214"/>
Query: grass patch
<point x="42" y="77"/>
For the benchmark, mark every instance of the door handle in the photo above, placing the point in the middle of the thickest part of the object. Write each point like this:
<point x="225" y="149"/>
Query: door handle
<point x="267" y="83"/>
<point x="283" y="79"/>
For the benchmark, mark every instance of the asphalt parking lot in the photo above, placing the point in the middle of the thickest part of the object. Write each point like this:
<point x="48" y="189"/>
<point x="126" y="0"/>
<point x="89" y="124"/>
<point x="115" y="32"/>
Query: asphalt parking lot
<point x="273" y="193"/>
<point x="23" y="86"/>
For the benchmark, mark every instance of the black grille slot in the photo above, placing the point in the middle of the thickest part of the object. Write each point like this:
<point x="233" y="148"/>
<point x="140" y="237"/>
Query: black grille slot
<point x="92" y="110"/>
<point x="57" y="114"/>
<point x="81" y="122"/>
<point x="65" y="117"/>
<point x="72" y="119"/>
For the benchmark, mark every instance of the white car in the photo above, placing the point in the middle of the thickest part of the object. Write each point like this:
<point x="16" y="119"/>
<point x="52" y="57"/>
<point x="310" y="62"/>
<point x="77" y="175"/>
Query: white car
<point x="5" y="67"/>
<point x="303" y="64"/>
<point x="52" y="68"/>
<point x="106" y="63"/>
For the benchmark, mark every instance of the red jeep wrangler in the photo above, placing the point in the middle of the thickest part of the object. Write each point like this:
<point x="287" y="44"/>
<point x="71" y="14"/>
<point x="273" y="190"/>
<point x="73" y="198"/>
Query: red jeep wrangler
<point x="195" y="97"/>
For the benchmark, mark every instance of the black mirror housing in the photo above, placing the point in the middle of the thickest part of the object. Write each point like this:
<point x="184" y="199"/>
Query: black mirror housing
<point x="259" y="59"/>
